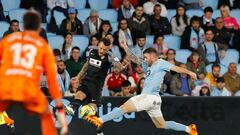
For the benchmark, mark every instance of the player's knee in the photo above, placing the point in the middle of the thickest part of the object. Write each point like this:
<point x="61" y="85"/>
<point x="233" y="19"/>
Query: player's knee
<point x="124" y="109"/>
<point x="160" y="125"/>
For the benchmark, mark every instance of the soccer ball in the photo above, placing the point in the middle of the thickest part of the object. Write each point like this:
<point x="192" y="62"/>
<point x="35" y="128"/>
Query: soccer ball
<point x="87" y="110"/>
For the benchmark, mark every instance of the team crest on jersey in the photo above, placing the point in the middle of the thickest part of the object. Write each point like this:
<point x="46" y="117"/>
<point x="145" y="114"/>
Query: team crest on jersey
<point x="148" y="73"/>
<point x="95" y="63"/>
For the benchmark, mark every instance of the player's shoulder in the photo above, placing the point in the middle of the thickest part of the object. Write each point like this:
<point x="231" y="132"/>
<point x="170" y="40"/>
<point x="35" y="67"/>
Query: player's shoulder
<point x="11" y="37"/>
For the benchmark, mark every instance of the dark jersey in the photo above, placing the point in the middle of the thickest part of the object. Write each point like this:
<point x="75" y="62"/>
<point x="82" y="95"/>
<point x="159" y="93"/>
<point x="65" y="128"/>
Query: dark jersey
<point x="97" y="67"/>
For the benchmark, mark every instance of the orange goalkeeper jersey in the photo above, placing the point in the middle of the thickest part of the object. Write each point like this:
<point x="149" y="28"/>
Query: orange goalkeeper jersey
<point x="24" y="56"/>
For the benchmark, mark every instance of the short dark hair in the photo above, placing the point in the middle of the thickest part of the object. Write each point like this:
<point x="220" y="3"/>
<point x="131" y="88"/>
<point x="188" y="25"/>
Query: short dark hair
<point x="216" y="65"/>
<point x="195" y="19"/>
<point x="157" y="36"/>
<point x="208" y="9"/>
<point x="150" y="50"/>
<point x="105" y="41"/>
<point x="14" y="21"/>
<point x="61" y="61"/>
<point x="76" y="48"/>
<point x="157" y="5"/>
<point x="32" y="20"/>
<point x="126" y="83"/>
<point x="56" y="52"/>
<point x="208" y="29"/>
<point x="171" y="50"/>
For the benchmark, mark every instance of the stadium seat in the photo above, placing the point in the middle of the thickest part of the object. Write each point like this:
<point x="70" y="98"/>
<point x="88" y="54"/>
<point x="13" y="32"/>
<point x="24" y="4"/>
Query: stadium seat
<point x="10" y="4"/>
<point x="59" y="16"/>
<point x="236" y="13"/>
<point x="238" y="68"/>
<point x="114" y="26"/>
<point x="108" y="14"/>
<point x="211" y="3"/>
<point x="44" y="26"/>
<point x="79" y="4"/>
<point x="222" y="71"/>
<point x="3" y="27"/>
<point x="55" y="41"/>
<point x="182" y="55"/>
<point x="50" y="34"/>
<point x="98" y="4"/>
<point x="80" y="41"/>
<point x="194" y="12"/>
<point x="231" y="55"/>
<point x="149" y="41"/>
<point x="172" y="41"/>
<point x="17" y="14"/>
<point x="216" y="13"/>
<point x="83" y="14"/>
<point x="170" y="13"/>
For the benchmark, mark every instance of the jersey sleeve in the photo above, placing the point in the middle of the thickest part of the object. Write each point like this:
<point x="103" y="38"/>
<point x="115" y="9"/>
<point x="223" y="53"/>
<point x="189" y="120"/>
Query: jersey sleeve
<point x="51" y="73"/>
<point x="1" y="50"/>
<point x="164" y="65"/>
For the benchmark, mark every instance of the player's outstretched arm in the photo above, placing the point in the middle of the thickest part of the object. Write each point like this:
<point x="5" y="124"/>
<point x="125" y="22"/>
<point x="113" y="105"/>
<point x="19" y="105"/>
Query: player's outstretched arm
<point x="83" y="71"/>
<point x="183" y="70"/>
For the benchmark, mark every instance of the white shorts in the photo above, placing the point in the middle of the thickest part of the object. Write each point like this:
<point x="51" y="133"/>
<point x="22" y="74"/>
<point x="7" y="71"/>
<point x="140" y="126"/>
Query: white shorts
<point x="149" y="103"/>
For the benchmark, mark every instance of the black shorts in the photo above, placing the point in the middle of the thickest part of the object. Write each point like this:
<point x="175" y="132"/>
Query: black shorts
<point x="92" y="91"/>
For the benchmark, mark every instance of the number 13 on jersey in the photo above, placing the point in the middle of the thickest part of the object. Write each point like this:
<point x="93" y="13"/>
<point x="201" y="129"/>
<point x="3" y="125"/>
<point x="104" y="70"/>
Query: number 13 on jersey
<point x="23" y="55"/>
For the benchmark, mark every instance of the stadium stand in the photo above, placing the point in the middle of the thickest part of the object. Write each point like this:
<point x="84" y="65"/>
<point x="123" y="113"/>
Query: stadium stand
<point x="80" y="4"/>
<point x="17" y="14"/>
<point x="55" y="41"/>
<point x="83" y="14"/>
<point x="182" y="55"/>
<point x="3" y="27"/>
<point x="108" y="14"/>
<point x="98" y="4"/>
<point x="80" y="41"/>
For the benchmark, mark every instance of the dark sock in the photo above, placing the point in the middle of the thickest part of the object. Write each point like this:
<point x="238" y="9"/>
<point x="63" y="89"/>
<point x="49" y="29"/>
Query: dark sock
<point x="75" y="105"/>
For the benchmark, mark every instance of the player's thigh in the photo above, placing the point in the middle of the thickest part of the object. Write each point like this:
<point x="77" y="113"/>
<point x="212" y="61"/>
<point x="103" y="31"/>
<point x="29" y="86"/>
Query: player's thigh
<point x="81" y="93"/>
<point x="94" y="96"/>
<point x="137" y="103"/>
<point x="159" y="122"/>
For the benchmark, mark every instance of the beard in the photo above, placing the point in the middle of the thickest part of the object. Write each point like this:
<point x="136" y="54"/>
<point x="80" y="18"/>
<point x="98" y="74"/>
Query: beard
<point x="60" y="71"/>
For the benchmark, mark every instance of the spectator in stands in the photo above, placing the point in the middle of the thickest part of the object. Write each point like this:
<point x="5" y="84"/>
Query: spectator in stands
<point x="206" y="20"/>
<point x="181" y="84"/>
<point x="168" y="77"/>
<point x="198" y="86"/>
<point x="66" y="47"/>
<point x="14" y="27"/>
<point x="211" y="78"/>
<point x="192" y="4"/>
<point x="232" y="78"/>
<point x="39" y="5"/>
<point x="231" y="3"/>
<point x="193" y="35"/>
<point x="118" y="3"/>
<point x="222" y="36"/>
<point x="229" y="21"/>
<point x="114" y="80"/>
<point x="75" y="63"/>
<point x="92" y="24"/>
<point x="74" y="84"/>
<point x="125" y="32"/>
<point x="139" y="23"/>
<point x="63" y="77"/>
<point x="105" y="28"/>
<point x="149" y="8"/>
<point x="93" y="43"/>
<point x="196" y="65"/>
<point x="159" y="24"/>
<point x="180" y="21"/>
<point x="114" y="48"/>
<point x="209" y="49"/>
<point x="136" y="76"/>
<point x="140" y="86"/>
<point x="126" y="10"/>
<point x="205" y="91"/>
<point x="220" y="89"/>
<point x="57" y="54"/>
<point x="60" y="5"/>
<point x="125" y="90"/>
<point x="160" y="46"/>
<point x="71" y="24"/>
<point x="140" y="47"/>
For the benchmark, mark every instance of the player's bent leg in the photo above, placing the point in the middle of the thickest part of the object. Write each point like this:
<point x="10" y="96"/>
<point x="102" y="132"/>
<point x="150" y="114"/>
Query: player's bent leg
<point x="47" y="124"/>
<point x="159" y="122"/>
<point x="127" y="107"/>
<point x="72" y="108"/>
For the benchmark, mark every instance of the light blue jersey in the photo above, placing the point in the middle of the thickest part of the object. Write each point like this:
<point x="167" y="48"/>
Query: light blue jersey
<point x="154" y="76"/>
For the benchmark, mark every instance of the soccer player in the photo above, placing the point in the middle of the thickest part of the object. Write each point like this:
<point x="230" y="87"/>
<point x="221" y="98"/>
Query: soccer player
<point x="24" y="56"/>
<point x="150" y="100"/>
<point x="93" y="75"/>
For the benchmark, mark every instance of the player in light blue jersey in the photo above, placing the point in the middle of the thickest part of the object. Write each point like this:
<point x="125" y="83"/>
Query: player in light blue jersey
<point x="149" y="100"/>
